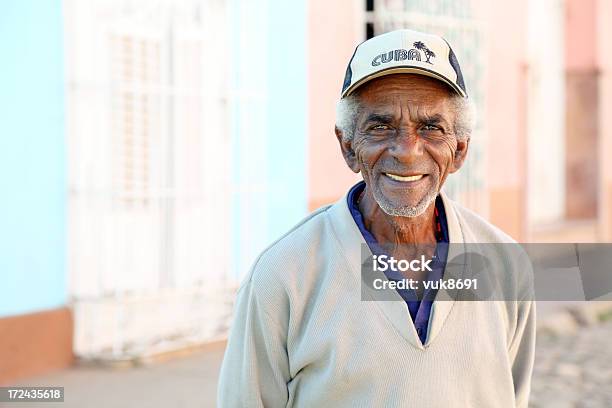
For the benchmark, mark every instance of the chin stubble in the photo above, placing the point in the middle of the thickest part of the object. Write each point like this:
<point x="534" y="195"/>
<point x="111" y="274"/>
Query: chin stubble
<point x="393" y="210"/>
<point x="405" y="211"/>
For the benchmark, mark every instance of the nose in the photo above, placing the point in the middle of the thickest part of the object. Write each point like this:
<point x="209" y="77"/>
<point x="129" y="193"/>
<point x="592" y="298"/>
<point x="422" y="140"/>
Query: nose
<point x="407" y="147"/>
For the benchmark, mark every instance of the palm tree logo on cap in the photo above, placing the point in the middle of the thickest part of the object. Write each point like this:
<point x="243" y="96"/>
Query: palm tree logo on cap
<point x="428" y="53"/>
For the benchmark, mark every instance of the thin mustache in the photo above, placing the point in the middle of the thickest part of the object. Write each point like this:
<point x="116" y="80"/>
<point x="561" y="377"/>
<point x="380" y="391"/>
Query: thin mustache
<point x="404" y="171"/>
<point x="393" y="169"/>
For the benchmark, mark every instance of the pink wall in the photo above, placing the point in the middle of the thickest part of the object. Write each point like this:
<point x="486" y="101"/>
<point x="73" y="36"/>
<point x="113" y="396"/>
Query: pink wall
<point x="580" y="34"/>
<point x="604" y="58"/>
<point x="505" y="112"/>
<point x="333" y="35"/>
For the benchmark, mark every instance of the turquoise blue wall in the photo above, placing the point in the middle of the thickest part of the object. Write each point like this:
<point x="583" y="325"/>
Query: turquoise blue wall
<point x="32" y="157"/>
<point x="268" y="107"/>
<point x="287" y="113"/>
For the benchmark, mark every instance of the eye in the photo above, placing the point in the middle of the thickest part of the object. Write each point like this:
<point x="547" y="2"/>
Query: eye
<point x="380" y="127"/>
<point x="430" y="127"/>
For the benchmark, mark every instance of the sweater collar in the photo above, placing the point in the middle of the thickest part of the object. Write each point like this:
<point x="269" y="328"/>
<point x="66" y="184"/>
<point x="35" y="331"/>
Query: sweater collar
<point x="353" y="244"/>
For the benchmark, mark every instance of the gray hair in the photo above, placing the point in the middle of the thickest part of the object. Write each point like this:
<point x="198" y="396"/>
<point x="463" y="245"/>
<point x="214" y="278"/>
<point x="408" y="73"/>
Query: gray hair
<point x="348" y="108"/>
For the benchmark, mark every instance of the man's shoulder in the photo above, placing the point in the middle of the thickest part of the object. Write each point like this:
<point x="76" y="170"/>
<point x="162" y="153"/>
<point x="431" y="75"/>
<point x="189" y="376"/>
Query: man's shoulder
<point x="514" y="275"/>
<point x="302" y="234"/>
<point x="309" y="241"/>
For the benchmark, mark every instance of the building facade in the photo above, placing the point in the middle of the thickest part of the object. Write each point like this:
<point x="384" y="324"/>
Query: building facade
<point x="151" y="149"/>
<point x="33" y="294"/>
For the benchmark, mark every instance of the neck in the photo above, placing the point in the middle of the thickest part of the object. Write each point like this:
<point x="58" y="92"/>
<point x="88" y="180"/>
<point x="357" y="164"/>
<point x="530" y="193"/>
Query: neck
<point x="395" y="230"/>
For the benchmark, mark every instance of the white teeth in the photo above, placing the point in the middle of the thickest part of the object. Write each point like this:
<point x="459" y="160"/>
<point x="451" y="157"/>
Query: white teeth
<point x="402" y="178"/>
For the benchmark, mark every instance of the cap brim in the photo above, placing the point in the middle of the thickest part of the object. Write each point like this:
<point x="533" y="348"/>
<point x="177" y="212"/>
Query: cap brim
<point x="403" y="70"/>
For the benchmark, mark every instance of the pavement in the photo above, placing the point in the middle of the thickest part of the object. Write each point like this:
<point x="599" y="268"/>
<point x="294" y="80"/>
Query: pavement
<point x="183" y="381"/>
<point x="573" y="363"/>
<point x="573" y="369"/>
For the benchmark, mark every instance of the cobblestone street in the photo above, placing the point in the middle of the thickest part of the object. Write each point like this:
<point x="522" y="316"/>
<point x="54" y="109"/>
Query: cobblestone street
<point x="574" y="370"/>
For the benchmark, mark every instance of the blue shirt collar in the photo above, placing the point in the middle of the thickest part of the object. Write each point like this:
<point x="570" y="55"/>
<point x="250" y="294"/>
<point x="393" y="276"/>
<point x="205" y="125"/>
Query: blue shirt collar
<point x="352" y="198"/>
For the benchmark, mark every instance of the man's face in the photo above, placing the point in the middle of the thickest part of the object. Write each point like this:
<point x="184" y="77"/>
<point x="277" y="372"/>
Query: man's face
<point x="404" y="143"/>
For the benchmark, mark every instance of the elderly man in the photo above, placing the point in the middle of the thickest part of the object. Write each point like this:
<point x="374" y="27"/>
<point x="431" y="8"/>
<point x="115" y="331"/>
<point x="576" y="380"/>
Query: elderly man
<point x="304" y="335"/>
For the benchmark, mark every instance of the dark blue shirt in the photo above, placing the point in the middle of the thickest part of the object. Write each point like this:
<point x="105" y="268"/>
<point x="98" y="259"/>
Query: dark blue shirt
<point x="420" y="310"/>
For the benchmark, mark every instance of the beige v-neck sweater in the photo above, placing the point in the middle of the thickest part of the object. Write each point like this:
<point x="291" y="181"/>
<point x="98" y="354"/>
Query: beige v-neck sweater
<point x="302" y="336"/>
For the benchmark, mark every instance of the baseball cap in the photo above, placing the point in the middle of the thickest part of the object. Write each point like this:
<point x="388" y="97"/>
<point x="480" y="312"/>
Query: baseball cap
<point x="403" y="52"/>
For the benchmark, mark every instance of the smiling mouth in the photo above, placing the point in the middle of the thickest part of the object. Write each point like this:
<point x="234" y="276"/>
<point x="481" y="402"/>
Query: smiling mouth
<point x="405" y="179"/>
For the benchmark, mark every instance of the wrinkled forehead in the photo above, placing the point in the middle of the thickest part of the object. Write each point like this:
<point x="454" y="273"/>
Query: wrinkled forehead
<point x="406" y="92"/>
<point x="407" y="86"/>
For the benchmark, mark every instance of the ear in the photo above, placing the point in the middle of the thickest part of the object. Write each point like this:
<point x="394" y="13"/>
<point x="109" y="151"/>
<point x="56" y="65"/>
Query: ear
<point x="346" y="146"/>
<point x="460" y="154"/>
